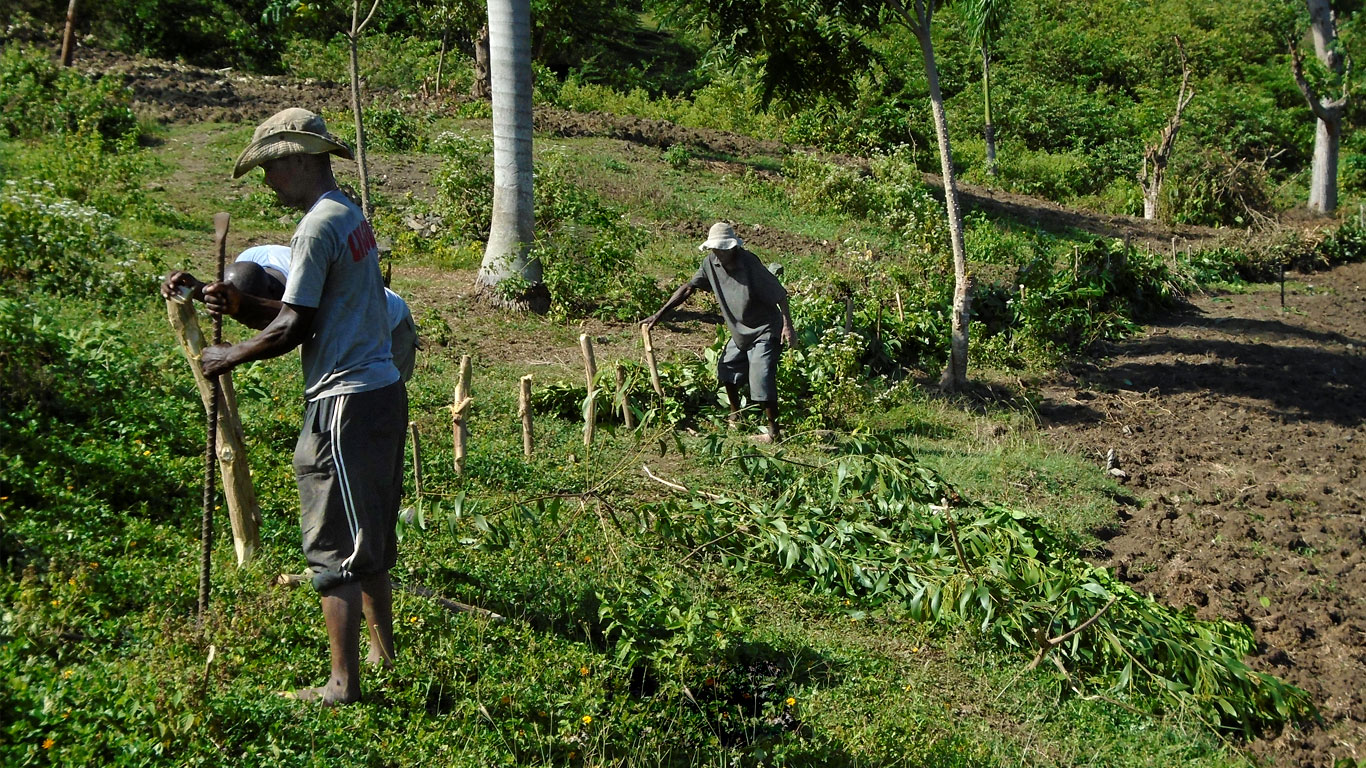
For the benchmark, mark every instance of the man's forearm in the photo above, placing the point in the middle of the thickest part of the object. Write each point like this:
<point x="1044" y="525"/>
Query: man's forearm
<point x="287" y="331"/>
<point x="681" y="295"/>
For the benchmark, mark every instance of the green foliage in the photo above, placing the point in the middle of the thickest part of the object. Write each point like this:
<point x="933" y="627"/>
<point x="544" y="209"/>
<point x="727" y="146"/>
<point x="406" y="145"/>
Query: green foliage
<point x="213" y="33"/>
<point x="38" y="98"/>
<point x="678" y="157"/>
<point x="79" y="442"/>
<point x="398" y="62"/>
<point x="464" y="184"/>
<point x="588" y="249"/>
<point x="387" y="129"/>
<point x="866" y="525"/>
<point x="1062" y="307"/>
<point x="1212" y="188"/>
<point x="891" y="191"/>
<point x="55" y="245"/>
<point x="729" y="102"/>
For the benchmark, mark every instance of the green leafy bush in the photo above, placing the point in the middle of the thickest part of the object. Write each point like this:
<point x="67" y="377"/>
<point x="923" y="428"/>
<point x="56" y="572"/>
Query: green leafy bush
<point x="588" y="249"/>
<point x="1062" y="305"/>
<point x="464" y="184"/>
<point x="38" y="98"/>
<point x="58" y="246"/>
<point x="387" y="129"/>
<point x="397" y="62"/>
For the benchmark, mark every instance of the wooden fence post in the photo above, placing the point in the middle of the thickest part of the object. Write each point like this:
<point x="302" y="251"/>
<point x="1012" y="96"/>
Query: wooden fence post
<point x="590" y="406"/>
<point x="650" y="360"/>
<point x="243" y="510"/>
<point x="628" y="418"/>
<point x="524" y="410"/>
<point x="417" y="463"/>
<point x="458" y="408"/>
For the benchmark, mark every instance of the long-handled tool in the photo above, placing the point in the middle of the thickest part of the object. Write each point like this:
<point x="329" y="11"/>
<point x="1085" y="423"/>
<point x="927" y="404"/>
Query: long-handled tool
<point x="220" y="241"/>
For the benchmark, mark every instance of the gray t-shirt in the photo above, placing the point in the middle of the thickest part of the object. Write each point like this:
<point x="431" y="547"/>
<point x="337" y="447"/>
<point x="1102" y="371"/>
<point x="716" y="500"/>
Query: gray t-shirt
<point x="749" y="296"/>
<point x="334" y="267"/>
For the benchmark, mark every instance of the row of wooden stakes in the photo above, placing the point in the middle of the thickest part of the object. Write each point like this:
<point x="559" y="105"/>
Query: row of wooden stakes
<point x="244" y="512"/>
<point x="461" y="402"/>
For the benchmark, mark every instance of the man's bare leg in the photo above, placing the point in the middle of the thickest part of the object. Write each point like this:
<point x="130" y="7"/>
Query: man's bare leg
<point x="377" y="600"/>
<point x="342" y="612"/>
<point x="774" y="434"/>
<point x="733" y="394"/>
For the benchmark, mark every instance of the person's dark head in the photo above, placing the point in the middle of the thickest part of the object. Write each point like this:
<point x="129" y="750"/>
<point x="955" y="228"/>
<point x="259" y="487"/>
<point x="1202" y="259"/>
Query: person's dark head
<point x="251" y="278"/>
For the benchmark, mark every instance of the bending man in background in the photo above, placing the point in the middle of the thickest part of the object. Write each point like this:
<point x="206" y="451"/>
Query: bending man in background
<point x="754" y="306"/>
<point x="263" y="271"/>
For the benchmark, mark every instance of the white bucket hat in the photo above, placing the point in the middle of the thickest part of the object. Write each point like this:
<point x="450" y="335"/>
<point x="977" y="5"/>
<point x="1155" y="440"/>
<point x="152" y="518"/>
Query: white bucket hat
<point x="721" y="237"/>
<point x="293" y="131"/>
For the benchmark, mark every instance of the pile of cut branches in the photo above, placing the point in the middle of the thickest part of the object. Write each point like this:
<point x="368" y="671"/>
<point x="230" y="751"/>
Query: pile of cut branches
<point x="872" y="525"/>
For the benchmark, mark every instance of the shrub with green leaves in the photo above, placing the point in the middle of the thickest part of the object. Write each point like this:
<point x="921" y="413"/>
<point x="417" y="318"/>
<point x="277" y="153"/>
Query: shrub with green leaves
<point x="38" y="98"/>
<point x="464" y="184"/>
<point x="387" y="129"/>
<point x="59" y="246"/>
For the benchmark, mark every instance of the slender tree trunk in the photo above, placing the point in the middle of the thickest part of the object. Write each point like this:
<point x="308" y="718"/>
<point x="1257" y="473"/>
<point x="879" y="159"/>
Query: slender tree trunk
<point x="69" y="35"/>
<point x="357" y="26"/>
<point x="441" y="60"/>
<point x="481" y="88"/>
<point x="1323" y="185"/>
<point x="1323" y="177"/>
<point x="1153" y="171"/>
<point x="512" y="226"/>
<point x="955" y="374"/>
<point x="988" y="130"/>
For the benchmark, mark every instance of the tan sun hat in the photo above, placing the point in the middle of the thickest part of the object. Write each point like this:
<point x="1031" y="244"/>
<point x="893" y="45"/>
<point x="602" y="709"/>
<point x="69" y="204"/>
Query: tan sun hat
<point x="721" y="237"/>
<point x="292" y="131"/>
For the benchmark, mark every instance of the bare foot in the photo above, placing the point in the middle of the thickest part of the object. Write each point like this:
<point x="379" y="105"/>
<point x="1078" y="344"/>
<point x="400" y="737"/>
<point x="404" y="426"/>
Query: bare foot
<point x="763" y="438"/>
<point x="377" y="659"/>
<point x="326" y="695"/>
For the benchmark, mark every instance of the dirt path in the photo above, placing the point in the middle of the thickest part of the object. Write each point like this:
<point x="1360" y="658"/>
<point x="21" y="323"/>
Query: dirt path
<point x="1240" y="427"/>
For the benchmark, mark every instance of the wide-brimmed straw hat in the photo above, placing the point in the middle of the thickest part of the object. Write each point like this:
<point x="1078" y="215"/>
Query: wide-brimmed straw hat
<point x="293" y="131"/>
<point x="721" y="237"/>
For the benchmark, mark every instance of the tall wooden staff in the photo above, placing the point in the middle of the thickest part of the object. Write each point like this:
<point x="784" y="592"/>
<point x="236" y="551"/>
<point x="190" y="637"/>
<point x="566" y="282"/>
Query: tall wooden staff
<point x="220" y="241"/>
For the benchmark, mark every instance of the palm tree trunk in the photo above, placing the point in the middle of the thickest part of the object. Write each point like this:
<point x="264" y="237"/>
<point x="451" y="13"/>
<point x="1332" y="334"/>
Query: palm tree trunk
<point x="512" y="226"/>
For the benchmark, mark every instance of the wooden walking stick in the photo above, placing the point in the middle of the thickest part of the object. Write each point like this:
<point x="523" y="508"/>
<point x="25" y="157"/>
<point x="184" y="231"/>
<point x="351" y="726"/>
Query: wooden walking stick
<point x="524" y="410"/>
<point x="590" y="406"/>
<point x="650" y="360"/>
<point x="462" y="402"/>
<point x="220" y="241"/>
<point x="233" y="471"/>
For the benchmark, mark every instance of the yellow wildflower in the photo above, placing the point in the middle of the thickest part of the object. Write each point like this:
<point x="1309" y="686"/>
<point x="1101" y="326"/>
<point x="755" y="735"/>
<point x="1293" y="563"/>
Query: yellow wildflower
<point x="791" y="701"/>
<point x="587" y="719"/>
<point x="48" y="742"/>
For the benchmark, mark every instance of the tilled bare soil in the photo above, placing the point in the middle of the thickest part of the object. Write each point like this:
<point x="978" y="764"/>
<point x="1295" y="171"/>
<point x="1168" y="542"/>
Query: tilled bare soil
<point x="1238" y="424"/>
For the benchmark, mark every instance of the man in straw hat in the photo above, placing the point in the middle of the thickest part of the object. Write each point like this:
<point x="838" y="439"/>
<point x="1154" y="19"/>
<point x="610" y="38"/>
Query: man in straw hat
<point x="754" y="306"/>
<point x="349" y="457"/>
